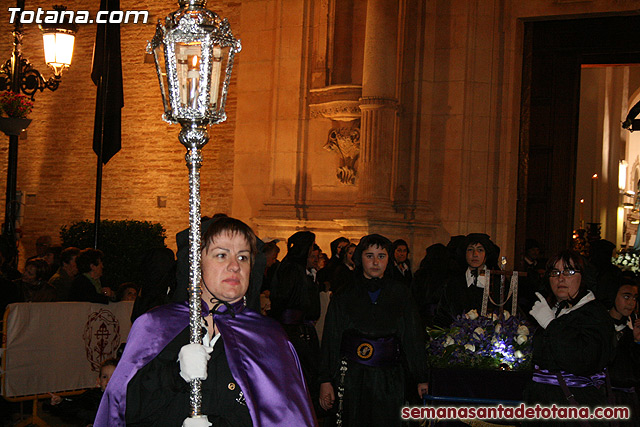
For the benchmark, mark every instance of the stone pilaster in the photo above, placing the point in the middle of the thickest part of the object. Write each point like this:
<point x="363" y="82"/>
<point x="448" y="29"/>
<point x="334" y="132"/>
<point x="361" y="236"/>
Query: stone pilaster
<point x="379" y="106"/>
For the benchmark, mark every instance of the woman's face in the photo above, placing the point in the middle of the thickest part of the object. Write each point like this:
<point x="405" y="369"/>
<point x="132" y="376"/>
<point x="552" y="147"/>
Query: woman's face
<point x="565" y="287"/>
<point x="349" y="255"/>
<point x="226" y="266"/>
<point x="29" y="275"/>
<point x="475" y="255"/>
<point x="626" y="300"/>
<point x="96" y="270"/>
<point x="374" y="262"/>
<point x="401" y="253"/>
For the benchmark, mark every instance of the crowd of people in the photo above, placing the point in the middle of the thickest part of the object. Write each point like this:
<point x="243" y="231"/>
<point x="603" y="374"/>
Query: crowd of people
<point x="340" y="339"/>
<point x="58" y="274"/>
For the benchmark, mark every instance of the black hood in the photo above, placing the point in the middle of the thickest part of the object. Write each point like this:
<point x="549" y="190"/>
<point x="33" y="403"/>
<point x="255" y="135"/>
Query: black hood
<point x="372" y="240"/>
<point x="491" y="249"/>
<point x="298" y="246"/>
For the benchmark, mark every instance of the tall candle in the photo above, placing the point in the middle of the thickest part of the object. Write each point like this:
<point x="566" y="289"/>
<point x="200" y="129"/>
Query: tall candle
<point x="594" y="198"/>
<point x="581" y="213"/>
<point x="193" y="77"/>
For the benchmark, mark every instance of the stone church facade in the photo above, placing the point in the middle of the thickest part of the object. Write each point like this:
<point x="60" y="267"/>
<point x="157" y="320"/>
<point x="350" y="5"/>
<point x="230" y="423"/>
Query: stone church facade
<point x="345" y="117"/>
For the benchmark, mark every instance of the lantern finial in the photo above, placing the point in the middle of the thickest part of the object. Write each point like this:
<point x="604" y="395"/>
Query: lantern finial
<point x="198" y="3"/>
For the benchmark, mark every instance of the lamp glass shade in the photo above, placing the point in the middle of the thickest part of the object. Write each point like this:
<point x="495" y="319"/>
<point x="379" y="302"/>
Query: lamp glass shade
<point x="58" y="49"/>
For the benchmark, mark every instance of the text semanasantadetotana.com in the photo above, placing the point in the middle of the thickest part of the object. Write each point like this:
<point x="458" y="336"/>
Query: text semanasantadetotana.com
<point x="521" y="412"/>
<point x="41" y="16"/>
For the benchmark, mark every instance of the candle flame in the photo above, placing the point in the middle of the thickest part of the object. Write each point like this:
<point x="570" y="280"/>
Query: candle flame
<point x="581" y="200"/>
<point x="194" y="60"/>
<point x="595" y="176"/>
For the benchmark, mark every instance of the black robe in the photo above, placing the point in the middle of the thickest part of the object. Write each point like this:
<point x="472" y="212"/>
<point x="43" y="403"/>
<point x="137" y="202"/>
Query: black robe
<point x="373" y="395"/>
<point x="580" y="342"/>
<point x="293" y="290"/>
<point x="624" y="372"/>
<point x="457" y="298"/>
<point x="343" y="277"/>
<point x="405" y="278"/>
<point x="158" y="396"/>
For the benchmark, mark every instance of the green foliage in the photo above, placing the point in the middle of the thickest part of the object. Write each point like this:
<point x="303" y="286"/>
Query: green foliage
<point x="123" y="243"/>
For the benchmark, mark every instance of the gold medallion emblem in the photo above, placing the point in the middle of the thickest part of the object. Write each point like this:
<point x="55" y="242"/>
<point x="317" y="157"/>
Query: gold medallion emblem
<point x="365" y="351"/>
<point x="231" y="386"/>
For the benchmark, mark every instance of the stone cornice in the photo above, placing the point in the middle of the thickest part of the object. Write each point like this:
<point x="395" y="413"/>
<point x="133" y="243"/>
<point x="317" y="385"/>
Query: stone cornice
<point x="340" y="102"/>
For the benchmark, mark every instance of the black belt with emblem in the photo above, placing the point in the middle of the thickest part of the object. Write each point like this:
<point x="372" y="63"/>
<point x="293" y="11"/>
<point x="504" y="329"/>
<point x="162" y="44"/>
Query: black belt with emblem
<point x="376" y="352"/>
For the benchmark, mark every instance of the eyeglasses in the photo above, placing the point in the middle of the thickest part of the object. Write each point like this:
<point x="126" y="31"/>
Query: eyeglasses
<point x="565" y="273"/>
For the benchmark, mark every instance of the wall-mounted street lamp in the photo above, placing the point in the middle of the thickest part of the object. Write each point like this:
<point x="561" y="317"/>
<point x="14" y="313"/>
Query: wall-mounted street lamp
<point x="18" y="75"/>
<point x="189" y="51"/>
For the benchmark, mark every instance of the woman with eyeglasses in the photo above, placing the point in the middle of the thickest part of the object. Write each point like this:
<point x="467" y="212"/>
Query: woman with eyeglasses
<point x="575" y="341"/>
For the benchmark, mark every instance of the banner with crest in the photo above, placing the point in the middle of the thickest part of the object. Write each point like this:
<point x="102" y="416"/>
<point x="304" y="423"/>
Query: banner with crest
<point x="59" y="346"/>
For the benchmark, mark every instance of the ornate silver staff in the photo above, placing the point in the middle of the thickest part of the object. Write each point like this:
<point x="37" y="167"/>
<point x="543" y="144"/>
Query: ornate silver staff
<point x="188" y="51"/>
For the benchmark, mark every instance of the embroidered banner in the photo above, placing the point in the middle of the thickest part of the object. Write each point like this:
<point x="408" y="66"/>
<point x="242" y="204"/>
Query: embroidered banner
<point x="59" y="346"/>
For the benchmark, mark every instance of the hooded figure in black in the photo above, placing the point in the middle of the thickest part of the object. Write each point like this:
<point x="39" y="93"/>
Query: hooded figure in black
<point x="606" y="275"/>
<point x="429" y="281"/>
<point x="401" y="263"/>
<point x="624" y="369"/>
<point x="465" y="287"/>
<point x="372" y="344"/>
<point x="325" y="275"/>
<point x="158" y="268"/>
<point x="295" y="303"/>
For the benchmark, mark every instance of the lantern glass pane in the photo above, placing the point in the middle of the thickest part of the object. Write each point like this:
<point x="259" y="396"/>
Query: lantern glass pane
<point x="58" y="48"/>
<point x="161" y="67"/>
<point x="188" y="57"/>
<point x="49" y="40"/>
<point x="64" y="48"/>
<point x="217" y="76"/>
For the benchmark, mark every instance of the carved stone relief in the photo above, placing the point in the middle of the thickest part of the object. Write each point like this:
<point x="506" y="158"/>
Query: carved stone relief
<point x="345" y="141"/>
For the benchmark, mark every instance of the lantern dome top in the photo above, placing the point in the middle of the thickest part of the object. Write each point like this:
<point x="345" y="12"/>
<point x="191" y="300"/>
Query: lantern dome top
<point x="197" y="3"/>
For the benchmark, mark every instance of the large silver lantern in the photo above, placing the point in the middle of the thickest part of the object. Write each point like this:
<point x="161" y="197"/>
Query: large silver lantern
<point x="193" y="52"/>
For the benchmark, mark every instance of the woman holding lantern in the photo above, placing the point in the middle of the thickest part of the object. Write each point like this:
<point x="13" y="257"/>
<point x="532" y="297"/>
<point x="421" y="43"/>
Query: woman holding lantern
<point x="250" y="373"/>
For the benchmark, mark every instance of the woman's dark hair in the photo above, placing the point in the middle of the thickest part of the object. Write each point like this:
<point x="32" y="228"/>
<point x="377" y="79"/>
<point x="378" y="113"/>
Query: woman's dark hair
<point x="369" y="241"/>
<point x="225" y="224"/>
<point x="570" y="260"/>
<point x="88" y="257"/>
<point x="395" y="245"/>
<point x="492" y="251"/>
<point x="343" y="254"/>
<point x="41" y="267"/>
<point x="610" y="293"/>
<point x="67" y="254"/>
<point x="334" y="245"/>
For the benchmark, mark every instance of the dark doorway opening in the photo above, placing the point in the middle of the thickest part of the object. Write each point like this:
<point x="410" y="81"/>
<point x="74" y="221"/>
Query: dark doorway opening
<point x="554" y="52"/>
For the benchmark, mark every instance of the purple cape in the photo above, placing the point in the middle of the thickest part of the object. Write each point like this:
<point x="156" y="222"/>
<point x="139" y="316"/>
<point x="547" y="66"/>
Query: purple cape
<point x="260" y="357"/>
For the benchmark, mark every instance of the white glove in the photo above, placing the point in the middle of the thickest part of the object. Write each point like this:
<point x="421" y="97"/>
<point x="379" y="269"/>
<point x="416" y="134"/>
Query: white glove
<point x="199" y="421"/>
<point x="542" y="312"/>
<point x="193" y="361"/>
